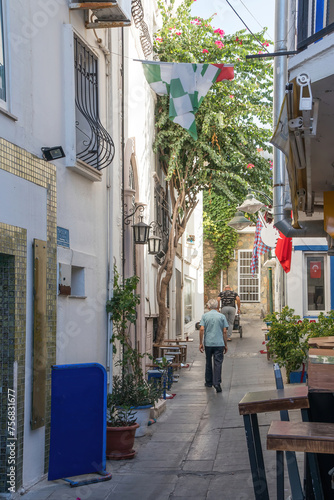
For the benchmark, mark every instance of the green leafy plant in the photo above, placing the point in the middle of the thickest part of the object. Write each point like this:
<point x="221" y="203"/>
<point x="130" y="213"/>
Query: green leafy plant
<point x="287" y="339"/>
<point x="231" y="127"/>
<point x="130" y="389"/>
<point x="136" y="394"/>
<point x="119" y="416"/>
<point x="289" y="335"/>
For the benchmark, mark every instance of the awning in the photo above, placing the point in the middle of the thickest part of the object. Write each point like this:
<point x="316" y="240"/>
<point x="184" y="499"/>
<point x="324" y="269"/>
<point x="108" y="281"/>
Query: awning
<point x="292" y="136"/>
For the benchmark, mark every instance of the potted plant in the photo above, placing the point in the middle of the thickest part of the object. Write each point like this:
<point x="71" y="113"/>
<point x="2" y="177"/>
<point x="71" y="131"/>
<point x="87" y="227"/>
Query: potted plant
<point x="136" y="394"/>
<point x="289" y="337"/>
<point x="288" y="342"/>
<point x="121" y="429"/>
<point x="130" y="388"/>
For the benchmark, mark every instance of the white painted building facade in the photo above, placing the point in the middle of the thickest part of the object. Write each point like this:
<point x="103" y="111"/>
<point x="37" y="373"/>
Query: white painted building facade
<point x="73" y="205"/>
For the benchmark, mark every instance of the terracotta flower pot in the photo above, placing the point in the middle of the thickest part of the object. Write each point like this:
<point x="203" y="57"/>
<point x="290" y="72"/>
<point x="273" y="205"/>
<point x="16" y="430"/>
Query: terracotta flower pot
<point x="120" y="442"/>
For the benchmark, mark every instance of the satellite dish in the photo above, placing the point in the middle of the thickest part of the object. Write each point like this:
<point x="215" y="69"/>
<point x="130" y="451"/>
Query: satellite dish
<point x="269" y="235"/>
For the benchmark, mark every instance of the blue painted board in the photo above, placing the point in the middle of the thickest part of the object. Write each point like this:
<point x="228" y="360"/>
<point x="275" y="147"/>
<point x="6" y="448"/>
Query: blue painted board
<point x="78" y="420"/>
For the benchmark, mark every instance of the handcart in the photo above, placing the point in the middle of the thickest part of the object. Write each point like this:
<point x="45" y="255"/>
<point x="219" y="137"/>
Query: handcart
<point x="236" y="325"/>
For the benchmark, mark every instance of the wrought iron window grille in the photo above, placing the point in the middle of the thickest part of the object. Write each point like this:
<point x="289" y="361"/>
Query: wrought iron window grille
<point x="162" y="219"/>
<point x="94" y="144"/>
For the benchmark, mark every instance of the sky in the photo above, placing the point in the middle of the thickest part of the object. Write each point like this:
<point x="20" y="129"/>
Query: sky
<point x="257" y="14"/>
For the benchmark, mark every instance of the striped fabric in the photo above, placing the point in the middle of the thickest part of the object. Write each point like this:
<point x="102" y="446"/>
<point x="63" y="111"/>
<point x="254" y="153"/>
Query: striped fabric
<point x="259" y="248"/>
<point x="187" y="85"/>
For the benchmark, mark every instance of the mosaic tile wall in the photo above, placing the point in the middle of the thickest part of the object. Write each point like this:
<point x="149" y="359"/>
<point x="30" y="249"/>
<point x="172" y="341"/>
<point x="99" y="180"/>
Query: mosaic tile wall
<point x="13" y="250"/>
<point x="7" y="332"/>
<point x="13" y="241"/>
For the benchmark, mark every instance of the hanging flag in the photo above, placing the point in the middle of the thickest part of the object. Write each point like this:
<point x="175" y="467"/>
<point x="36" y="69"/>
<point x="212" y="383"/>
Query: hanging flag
<point x="315" y="269"/>
<point x="187" y="85"/>
<point x="283" y="251"/>
<point x="259" y="248"/>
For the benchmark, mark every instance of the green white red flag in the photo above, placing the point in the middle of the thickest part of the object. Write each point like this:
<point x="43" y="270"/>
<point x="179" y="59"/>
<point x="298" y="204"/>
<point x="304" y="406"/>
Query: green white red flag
<point x="186" y="84"/>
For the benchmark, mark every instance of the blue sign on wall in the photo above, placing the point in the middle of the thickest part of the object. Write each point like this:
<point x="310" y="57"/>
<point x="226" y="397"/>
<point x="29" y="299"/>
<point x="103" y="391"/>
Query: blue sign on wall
<point x="78" y="420"/>
<point x="63" y="237"/>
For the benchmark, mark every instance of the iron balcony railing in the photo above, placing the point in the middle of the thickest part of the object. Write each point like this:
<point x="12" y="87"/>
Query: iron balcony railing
<point x="315" y="20"/>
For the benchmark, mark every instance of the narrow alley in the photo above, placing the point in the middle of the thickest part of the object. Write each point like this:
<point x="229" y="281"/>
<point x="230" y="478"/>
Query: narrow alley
<point x="197" y="448"/>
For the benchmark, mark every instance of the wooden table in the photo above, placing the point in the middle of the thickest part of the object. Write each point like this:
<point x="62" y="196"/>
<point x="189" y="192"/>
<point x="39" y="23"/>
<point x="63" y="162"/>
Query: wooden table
<point x="289" y="398"/>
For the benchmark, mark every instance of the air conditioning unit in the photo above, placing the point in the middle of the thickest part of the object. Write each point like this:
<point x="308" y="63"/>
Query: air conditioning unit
<point x="107" y="14"/>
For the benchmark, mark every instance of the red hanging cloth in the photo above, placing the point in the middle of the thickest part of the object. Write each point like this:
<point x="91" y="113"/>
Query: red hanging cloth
<point x="283" y="251"/>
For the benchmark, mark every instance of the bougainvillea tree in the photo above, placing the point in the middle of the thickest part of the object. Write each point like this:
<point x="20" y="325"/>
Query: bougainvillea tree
<point x="232" y="126"/>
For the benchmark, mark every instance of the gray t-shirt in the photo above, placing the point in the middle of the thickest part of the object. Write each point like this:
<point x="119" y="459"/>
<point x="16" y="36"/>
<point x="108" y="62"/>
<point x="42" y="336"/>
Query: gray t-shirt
<point x="214" y="323"/>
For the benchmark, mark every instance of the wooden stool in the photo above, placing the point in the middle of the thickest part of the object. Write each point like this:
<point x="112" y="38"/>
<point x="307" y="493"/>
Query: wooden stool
<point x="307" y="437"/>
<point x="289" y="398"/>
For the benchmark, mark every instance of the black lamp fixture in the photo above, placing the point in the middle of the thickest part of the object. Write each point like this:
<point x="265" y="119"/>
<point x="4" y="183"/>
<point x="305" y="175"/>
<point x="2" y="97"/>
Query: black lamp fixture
<point x="154" y="241"/>
<point x="141" y="230"/>
<point x="50" y="154"/>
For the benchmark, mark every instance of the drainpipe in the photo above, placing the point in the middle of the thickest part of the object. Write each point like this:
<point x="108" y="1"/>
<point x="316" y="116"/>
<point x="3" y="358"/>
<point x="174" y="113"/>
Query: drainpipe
<point x="106" y="51"/>
<point x="280" y="80"/>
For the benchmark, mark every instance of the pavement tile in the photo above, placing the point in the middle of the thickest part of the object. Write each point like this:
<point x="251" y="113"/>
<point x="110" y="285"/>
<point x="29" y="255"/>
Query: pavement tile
<point x="197" y="448"/>
<point x="198" y="465"/>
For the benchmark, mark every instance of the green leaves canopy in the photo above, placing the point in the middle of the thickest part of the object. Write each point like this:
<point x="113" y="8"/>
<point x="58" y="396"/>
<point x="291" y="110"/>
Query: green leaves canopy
<point x="233" y="122"/>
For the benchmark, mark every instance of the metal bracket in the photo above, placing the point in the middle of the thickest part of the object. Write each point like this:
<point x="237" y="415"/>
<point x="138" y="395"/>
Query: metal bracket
<point x="296" y="123"/>
<point x="304" y="81"/>
<point x="141" y="209"/>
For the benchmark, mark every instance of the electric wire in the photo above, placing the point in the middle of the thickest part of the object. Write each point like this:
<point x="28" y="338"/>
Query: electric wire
<point x="255" y="19"/>
<point x="243" y="22"/>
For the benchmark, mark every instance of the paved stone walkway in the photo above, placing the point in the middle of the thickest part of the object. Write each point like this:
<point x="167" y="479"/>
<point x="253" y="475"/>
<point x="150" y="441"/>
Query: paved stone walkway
<point x="197" y="448"/>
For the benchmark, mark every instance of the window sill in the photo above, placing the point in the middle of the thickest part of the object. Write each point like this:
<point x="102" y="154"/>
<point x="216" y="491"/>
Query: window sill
<point x="8" y="114"/>
<point x="77" y="296"/>
<point x="87" y="171"/>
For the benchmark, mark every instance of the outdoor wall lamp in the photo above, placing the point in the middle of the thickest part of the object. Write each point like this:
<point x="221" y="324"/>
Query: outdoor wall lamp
<point x="239" y="221"/>
<point x="154" y="241"/>
<point x="50" y="154"/>
<point x="141" y="230"/>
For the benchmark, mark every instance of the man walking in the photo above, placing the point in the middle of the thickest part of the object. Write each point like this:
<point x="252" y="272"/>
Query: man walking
<point x="213" y="327"/>
<point x="228" y="298"/>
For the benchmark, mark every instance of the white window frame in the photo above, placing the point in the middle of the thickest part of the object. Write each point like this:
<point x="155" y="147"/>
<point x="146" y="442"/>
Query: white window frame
<point x="257" y="277"/>
<point x="315" y="255"/>
<point x="191" y="282"/>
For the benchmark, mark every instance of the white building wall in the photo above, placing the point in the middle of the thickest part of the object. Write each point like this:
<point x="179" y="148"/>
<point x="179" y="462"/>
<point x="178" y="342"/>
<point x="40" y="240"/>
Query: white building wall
<point x="41" y="102"/>
<point x="296" y="278"/>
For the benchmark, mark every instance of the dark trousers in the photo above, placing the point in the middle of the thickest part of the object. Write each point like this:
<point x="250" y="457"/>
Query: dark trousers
<point x="213" y="375"/>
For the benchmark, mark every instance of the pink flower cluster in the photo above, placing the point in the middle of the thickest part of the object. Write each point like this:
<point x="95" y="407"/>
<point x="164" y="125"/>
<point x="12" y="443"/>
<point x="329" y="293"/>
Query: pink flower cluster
<point x="220" y="32"/>
<point x="196" y="21"/>
<point x="219" y="44"/>
<point x="250" y="165"/>
<point x="158" y="39"/>
<point x="205" y="51"/>
<point x="265" y="44"/>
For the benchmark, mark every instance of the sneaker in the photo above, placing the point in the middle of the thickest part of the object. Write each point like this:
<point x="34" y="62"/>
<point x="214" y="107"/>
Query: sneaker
<point x="218" y="388"/>
<point x="229" y="339"/>
<point x="208" y="385"/>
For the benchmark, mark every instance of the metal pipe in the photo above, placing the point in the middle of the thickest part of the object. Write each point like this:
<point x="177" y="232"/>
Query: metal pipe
<point x="280" y="79"/>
